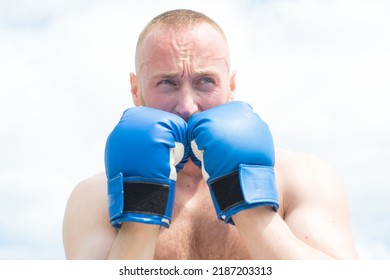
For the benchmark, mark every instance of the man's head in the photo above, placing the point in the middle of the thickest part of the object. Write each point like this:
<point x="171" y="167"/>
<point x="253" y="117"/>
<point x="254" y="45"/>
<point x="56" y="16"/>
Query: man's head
<point x="182" y="64"/>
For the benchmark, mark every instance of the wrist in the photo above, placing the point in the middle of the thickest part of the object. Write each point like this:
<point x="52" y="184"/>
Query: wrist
<point x="139" y="228"/>
<point x="139" y="232"/>
<point x="259" y="216"/>
<point x="135" y="241"/>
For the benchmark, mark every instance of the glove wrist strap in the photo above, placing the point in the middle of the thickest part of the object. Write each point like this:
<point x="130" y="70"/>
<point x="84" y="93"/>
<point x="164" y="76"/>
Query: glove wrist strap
<point x="227" y="192"/>
<point x="140" y="197"/>
<point x="252" y="186"/>
<point x="145" y="197"/>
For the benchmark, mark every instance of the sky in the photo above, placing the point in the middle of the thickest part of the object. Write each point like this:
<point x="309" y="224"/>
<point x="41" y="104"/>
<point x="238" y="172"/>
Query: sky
<point x="316" y="71"/>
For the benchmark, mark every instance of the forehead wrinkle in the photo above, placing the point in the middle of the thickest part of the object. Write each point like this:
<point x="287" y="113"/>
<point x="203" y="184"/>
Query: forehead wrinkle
<point x="179" y="50"/>
<point x="180" y="74"/>
<point x="189" y="51"/>
<point x="178" y="66"/>
<point x="153" y="51"/>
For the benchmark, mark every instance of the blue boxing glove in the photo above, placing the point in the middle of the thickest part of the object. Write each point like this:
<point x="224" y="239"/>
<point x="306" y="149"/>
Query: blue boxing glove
<point x="236" y="152"/>
<point x="143" y="154"/>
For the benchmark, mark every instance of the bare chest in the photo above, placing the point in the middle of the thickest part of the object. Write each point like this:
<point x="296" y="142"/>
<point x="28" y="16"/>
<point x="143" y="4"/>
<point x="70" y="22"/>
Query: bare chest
<point x="196" y="233"/>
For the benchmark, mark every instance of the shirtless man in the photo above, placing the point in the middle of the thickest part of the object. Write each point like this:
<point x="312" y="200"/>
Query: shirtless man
<point x="183" y="69"/>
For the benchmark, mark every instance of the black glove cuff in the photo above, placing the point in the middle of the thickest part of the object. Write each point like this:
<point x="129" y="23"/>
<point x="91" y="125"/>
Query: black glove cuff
<point x="143" y="197"/>
<point x="227" y="191"/>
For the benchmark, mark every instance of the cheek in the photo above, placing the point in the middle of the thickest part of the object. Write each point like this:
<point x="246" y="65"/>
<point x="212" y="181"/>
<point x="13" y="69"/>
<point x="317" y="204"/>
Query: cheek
<point x="218" y="97"/>
<point x="213" y="100"/>
<point x="152" y="99"/>
<point x="160" y="101"/>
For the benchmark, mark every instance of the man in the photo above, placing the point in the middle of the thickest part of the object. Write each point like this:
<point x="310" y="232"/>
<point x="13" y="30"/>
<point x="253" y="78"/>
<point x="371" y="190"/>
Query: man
<point x="220" y="191"/>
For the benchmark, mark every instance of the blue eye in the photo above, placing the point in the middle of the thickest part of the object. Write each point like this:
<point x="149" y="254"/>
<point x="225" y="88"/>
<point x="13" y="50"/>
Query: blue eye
<point x="207" y="80"/>
<point x="167" y="82"/>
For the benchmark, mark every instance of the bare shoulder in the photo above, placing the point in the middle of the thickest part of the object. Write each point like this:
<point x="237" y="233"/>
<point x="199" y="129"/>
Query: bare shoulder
<point x="315" y="204"/>
<point x="288" y="160"/>
<point x="89" y="193"/>
<point x="87" y="233"/>
<point x="305" y="174"/>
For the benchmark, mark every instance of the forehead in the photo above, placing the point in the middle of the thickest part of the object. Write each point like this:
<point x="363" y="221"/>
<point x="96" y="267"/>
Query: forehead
<point x="167" y="45"/>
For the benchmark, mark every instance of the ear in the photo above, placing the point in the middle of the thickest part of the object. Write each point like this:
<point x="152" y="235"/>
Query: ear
<point x="232" y="85"/>
<point x="136" y="94"/>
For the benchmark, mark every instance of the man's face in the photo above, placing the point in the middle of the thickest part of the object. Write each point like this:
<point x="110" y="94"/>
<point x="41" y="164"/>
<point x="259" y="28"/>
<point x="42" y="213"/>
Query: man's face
<point x="183" y="71"/>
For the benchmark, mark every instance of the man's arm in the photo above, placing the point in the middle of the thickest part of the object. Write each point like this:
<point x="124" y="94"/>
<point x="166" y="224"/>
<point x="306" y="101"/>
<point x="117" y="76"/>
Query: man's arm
<point x="316" y="223"/>
<point x="139" y="241"/>
<point x="88" y="234"/>
<point x="236" y="150"/>
<point x="142" y="156"/>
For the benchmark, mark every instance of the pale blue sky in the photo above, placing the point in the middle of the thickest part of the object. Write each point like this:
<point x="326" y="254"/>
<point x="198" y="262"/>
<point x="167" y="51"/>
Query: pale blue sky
<point x="316" y="71"/>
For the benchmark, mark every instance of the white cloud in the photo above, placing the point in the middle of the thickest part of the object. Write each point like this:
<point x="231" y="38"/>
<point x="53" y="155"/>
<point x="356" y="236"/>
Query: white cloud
<point x="317" y="71"/>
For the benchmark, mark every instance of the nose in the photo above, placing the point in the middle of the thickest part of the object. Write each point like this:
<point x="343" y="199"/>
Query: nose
<point x="186" y="104"/>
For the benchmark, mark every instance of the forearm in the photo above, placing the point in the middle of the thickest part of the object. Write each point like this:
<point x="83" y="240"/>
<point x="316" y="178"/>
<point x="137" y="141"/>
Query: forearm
<point x="135" y="241"/>
<point x="267" y="236"/>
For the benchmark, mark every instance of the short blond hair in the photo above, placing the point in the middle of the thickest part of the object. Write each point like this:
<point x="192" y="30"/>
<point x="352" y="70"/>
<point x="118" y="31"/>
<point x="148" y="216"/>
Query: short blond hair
<point x="180" y="18"/>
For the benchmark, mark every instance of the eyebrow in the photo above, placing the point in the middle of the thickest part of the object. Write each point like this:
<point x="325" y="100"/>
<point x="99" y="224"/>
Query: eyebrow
<point x="174" y="74"/>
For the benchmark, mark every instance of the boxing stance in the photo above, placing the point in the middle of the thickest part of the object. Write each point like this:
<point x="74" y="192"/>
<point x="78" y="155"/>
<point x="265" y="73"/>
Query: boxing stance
<point x="193" y="174"/>
<point x="143" y="190"/>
